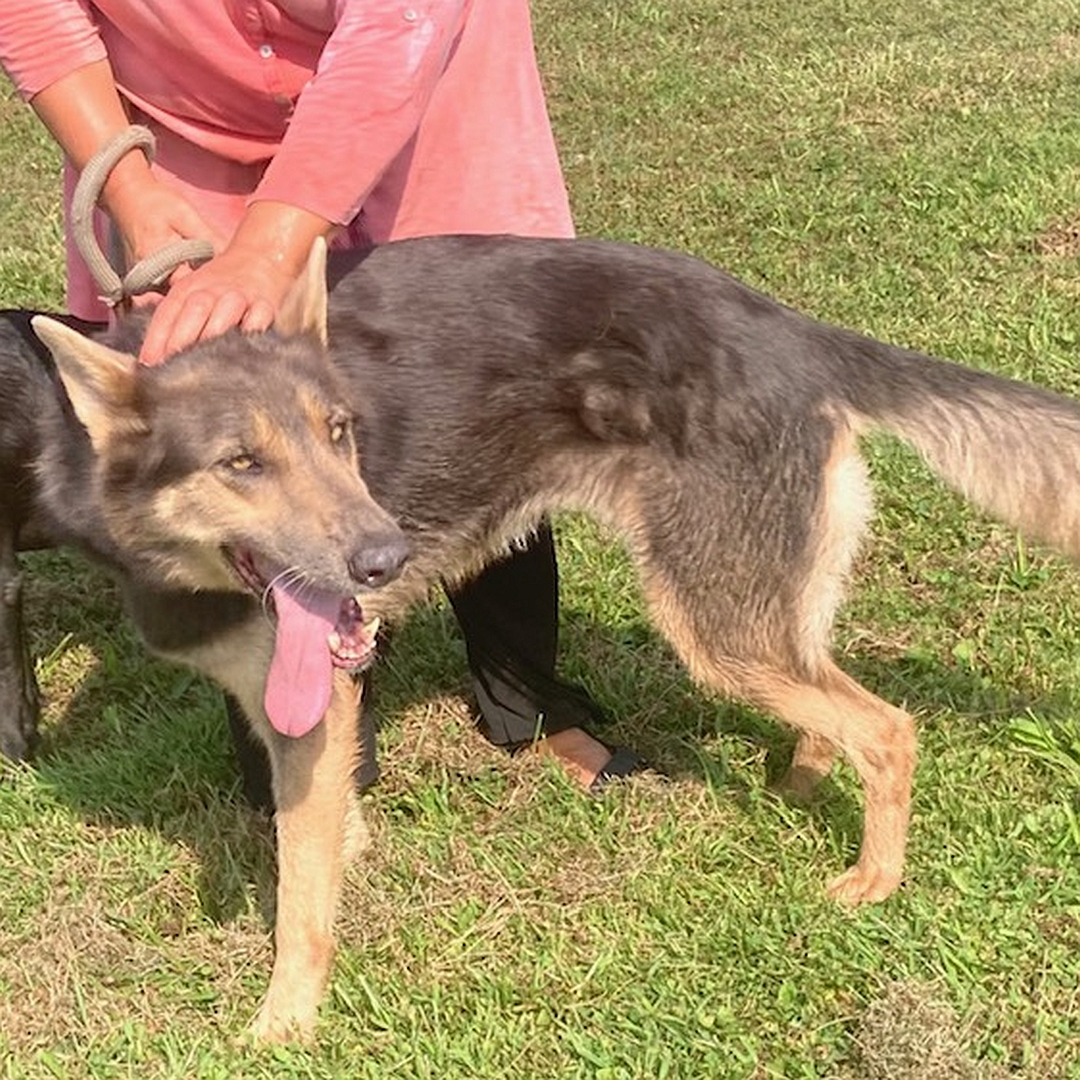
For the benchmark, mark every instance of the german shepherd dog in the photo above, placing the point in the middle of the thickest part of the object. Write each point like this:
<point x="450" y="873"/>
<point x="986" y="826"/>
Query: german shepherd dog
<point x="460" y="389"/>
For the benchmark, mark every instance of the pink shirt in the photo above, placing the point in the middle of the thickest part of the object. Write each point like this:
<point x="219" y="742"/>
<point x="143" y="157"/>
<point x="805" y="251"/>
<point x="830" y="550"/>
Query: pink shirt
<point x="427" y="115"/>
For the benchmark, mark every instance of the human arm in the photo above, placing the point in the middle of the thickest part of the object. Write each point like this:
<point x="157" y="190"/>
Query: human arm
<point x="242" y="286"/>
<point x="373" y="81"/>
<point x="83" y="111"/>
<point x="52" y="51"/>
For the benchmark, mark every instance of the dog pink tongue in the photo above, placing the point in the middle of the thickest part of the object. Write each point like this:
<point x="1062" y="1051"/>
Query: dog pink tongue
<point x="298" y="685"/>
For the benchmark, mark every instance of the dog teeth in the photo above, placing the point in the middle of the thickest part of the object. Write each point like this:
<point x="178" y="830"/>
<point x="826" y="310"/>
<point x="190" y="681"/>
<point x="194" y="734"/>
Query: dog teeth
<point x="334" y="641"/>
<point x="372" y="628"/>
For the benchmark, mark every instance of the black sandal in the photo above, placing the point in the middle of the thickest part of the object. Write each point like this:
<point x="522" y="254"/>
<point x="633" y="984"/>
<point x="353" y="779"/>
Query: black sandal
<point x="622" y="763"/>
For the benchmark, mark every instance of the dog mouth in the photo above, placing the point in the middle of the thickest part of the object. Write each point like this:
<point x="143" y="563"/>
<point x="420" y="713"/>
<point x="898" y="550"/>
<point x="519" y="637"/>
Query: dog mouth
<point x="316" y="631"/>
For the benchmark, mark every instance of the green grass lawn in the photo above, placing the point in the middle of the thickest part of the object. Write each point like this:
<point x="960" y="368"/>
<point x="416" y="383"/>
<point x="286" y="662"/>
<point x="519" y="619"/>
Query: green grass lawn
<point x="912" y="171"/>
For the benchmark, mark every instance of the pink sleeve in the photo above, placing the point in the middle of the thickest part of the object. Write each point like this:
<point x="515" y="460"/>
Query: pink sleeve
<point x="43" y="40"/>
<point x="373" y="82"/>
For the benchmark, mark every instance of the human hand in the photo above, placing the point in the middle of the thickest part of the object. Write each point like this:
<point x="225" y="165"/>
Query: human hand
<point x="149" y="216"/>
<point x="244" y="286"/>
<point x="239" y="287"/>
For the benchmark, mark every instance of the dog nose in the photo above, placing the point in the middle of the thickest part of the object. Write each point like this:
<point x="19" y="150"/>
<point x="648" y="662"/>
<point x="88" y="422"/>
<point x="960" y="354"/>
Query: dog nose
<point x="378" y="563"/>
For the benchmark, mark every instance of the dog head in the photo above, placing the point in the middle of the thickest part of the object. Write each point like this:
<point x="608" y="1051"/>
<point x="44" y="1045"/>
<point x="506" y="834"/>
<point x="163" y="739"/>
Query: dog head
<point x="233" y="466"/>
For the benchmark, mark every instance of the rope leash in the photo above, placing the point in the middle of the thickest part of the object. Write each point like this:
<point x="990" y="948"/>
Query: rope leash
<point x="148" y="274"/>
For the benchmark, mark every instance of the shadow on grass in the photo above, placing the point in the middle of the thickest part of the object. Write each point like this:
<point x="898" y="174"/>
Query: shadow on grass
<point x="142" y="743"/>
<point x="128" y="740"/>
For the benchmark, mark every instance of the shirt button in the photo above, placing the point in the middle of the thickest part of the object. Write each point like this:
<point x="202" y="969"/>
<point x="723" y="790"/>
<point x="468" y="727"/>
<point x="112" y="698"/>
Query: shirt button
<point x="266" y="51"/>
<point x="409" y="15"/>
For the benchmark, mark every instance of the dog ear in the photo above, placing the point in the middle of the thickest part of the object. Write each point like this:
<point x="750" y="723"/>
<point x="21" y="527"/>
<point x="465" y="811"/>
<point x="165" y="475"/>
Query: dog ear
<point x="305" y="308"/>
<point x="99" y="381"/>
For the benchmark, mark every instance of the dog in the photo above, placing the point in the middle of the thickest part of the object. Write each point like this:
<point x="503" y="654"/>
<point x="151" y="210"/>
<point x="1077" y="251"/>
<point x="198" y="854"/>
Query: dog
<point x="454" y="391"/>
<point x="29" y="389"/>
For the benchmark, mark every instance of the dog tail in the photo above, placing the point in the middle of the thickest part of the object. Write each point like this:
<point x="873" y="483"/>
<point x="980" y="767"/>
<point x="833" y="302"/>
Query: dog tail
<point x="1011" y="448"/>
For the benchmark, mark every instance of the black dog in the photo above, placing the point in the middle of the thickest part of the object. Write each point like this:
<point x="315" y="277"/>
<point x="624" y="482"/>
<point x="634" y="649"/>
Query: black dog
<point x="29" y="391"/>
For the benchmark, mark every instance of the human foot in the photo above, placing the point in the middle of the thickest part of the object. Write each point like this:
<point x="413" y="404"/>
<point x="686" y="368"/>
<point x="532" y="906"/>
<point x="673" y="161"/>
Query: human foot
<point x="587" y="760"/>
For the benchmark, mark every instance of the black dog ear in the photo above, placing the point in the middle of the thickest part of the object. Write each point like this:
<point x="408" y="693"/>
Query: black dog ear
<point x="99" y="381"/>
<point x="305" y="308"/>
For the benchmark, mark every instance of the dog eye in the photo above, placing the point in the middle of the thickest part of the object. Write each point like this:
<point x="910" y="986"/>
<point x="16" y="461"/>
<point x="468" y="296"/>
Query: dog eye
<point x="243" y="463"/>
<point x="339" y="429"/>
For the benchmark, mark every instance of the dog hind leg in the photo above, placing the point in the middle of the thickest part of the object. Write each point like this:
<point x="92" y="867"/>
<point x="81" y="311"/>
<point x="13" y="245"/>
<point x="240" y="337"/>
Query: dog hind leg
<point x="844" y="505"/>
<point x="812" y="761"/>
<point x="748" y="599"/>
<point x="879" y="741"/>
<point x="832" y="714"/>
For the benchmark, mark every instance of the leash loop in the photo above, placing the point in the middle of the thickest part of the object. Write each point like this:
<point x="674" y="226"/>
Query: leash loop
<point x="148" y="274"/>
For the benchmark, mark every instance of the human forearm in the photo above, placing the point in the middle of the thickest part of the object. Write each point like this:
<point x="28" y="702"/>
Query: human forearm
<point x="83" y="111"/>
<point x="278" y="233"/>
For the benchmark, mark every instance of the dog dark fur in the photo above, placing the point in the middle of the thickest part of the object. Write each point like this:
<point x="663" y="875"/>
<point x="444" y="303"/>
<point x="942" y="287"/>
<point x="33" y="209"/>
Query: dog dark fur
<point x="30" y="391"/>
<point x="490" y="381"/>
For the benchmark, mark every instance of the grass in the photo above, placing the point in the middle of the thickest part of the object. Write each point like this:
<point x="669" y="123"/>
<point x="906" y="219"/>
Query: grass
<point x="910" y="171"/>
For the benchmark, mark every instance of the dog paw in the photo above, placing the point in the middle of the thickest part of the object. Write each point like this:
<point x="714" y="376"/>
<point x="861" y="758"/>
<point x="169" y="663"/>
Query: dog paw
<point x="863" y="885"/>
<point x="357" y="835"/>
<point x="798" y="785"/>
<point x="274" y="1026"/>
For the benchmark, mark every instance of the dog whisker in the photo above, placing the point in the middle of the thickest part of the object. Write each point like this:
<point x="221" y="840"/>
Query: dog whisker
<point x="286" y="578"/>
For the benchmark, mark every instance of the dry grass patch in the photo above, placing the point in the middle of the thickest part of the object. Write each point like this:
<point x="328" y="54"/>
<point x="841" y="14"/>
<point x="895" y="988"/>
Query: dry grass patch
<point x="911" y="1033"/>
<point x="1060" y="240"/>
<point x="113" y="946"/>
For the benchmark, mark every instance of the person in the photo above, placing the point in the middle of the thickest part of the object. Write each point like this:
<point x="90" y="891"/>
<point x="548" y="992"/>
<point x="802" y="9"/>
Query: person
<point x="361" y="121"/>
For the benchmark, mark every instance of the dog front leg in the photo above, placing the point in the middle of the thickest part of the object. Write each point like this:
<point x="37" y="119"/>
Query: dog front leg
<point x="319" y="829"/>
<point x="318" y="814"/>
<point x="19" y="699"/>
